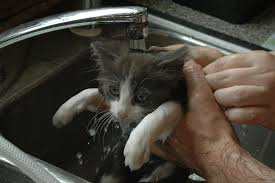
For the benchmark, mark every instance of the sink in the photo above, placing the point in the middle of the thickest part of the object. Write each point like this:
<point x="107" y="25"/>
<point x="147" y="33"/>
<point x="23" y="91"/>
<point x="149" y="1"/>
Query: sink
<point x="11" y="173"/>
<point x="55" y="72"/>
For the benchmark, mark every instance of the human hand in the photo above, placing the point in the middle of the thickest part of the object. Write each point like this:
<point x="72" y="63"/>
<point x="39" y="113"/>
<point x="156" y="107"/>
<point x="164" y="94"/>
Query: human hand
<point x="245" y="85"/>
<point x="204" y="137"/>
<point x="201" y="54"/>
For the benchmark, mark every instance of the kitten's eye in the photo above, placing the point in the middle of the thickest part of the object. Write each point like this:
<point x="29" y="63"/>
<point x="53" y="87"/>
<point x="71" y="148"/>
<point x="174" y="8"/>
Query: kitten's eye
<point x="142" y="95"/>
<point x="114" y="90"/>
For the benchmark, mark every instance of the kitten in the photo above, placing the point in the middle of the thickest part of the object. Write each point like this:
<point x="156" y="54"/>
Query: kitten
<point x="136" y="83"/>
<point x="144" y="90"/>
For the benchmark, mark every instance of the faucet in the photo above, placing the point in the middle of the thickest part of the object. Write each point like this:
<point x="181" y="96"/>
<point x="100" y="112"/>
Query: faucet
<point x="136" y="18"/>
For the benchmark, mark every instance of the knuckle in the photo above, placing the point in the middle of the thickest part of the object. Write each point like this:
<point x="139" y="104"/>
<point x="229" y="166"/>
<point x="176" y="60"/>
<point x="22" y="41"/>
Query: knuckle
<point x="234" y="57"/>
<point x="272" y="75"/>
<point x="264" y="55"/>
<point x="213" y="51"/>
<point x="252" y="115"/>
<point x="220" y="64"/>
<point x="227" y="74"/>
<point x="270" y="81"/>
<point x="238" y="95"/>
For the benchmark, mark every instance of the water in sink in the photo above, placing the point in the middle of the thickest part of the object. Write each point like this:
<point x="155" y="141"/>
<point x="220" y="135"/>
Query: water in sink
<point x="31" y="105"/>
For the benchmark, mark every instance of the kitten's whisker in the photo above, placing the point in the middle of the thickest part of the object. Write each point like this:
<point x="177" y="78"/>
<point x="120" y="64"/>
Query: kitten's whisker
<point x="94" y="118"/>
<point x="101" y="120"/>
<point x="101" y="127"/>
<point x="108" y="121"/>
<point x="148" y="78"/>
<point x="96" y="123"/>
<point x="106" y="79"/>
<point x="90" y="69"/>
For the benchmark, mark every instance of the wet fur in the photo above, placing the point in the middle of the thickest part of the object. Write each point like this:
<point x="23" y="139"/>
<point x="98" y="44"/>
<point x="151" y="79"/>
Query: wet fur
<point x="161" y="74"/>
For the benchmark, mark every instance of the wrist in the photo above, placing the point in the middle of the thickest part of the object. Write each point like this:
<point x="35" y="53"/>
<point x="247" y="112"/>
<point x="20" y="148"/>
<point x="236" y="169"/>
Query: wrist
<point x="234" y="164"/>
<point x="214" y="163"/>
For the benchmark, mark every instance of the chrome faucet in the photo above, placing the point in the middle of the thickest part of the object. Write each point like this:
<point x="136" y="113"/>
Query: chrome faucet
<point x="135" y="16"/>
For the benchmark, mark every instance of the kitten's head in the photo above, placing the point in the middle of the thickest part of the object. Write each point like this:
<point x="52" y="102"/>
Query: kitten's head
<point x="136" y="83"/>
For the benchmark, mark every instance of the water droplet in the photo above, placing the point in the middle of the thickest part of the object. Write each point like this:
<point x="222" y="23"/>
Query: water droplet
<point x="105" y="130"/>
<point x="78" y="155"/>
<point x="108" y="149"/>
<point x="80" y="161"/>
<point x="92" y="132"/>
<point x="96" y="170"/>
<point x="258" y="148"/>
<point x="88" y="143"/>
<point x="117" y="126"/>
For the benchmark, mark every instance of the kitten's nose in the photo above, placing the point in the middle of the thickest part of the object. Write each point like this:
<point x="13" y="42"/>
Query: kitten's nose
<point x="122" y="114"/>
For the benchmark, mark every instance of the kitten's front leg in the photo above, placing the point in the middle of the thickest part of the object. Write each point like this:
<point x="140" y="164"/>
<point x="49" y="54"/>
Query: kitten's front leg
<point x="155" y="126"/>
<point x="86" y="100"/>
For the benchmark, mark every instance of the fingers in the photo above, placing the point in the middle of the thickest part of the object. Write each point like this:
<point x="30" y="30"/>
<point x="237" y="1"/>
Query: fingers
<point x="238" y="96"/>
<point x="248" y="115"/>
<point x="195" y="80"/>
<point x="231" y="77"/>
<point x="201" y="54"/>
<point x="166" y="48"/>
<point x="200" y="97"/>
<point x="228" y="62"/>
<point x="204" y="55"/>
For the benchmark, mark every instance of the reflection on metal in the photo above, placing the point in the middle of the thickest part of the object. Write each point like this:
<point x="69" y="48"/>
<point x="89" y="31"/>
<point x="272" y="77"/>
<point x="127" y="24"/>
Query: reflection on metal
<point x="194" y="37"/>
<point x="135" y="16"/>
<point x="137" y="30"/>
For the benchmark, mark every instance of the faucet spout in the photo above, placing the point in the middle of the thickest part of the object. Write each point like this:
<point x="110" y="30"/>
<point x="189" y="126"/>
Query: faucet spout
<point x="135" y="16"/>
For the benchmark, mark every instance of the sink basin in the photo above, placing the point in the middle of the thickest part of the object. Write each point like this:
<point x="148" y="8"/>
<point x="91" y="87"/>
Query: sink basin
<point x="54" y="72"/>
<point x="10" y="173"/>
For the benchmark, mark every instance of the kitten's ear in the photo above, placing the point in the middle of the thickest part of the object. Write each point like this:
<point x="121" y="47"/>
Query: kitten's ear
<point x="175" y="57"/>
<point x="106" y="53"/>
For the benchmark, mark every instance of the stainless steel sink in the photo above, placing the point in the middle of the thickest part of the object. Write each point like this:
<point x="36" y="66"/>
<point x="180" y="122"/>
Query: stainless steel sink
<point x="54" y="72"/>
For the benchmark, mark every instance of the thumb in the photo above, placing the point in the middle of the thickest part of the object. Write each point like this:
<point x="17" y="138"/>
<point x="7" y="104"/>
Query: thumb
<point x="205" y="55"/>
<point x="197" y="87"/>
<point x="195" y="78"/>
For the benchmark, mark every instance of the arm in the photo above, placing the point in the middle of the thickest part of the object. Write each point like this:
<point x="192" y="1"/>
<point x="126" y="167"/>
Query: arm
<point x="235" y="165"/>
<point x="86" y="100"/>
<point x="204" y="140"/>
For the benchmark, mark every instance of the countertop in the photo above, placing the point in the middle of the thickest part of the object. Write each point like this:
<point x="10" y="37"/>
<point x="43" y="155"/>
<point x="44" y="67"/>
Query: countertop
<point x="256" y="31"/>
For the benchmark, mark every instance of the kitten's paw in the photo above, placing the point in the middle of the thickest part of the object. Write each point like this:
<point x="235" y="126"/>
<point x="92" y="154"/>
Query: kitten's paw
<point x="109" y="179"/>
<point x="136" y="151"/>
<point x="62" y="117"/>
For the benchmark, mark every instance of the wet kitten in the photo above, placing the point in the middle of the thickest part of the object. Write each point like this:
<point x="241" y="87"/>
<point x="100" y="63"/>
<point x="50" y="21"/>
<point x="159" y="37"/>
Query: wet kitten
<point x="136" y="84"/>
<point x="145" y="89"/>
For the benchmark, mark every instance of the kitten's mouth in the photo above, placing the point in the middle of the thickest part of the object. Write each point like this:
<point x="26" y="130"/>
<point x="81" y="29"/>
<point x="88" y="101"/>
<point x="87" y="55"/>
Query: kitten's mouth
<point x="126" y="124"/>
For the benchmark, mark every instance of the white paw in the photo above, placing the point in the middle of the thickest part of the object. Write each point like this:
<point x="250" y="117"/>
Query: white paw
<point x="62" y="117"/>
<point x="109" y="179"/>
<point x="136" y="151"/>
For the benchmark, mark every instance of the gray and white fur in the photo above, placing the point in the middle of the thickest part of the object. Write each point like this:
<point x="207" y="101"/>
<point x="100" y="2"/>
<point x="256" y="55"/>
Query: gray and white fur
<point x="146" y="89"/>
